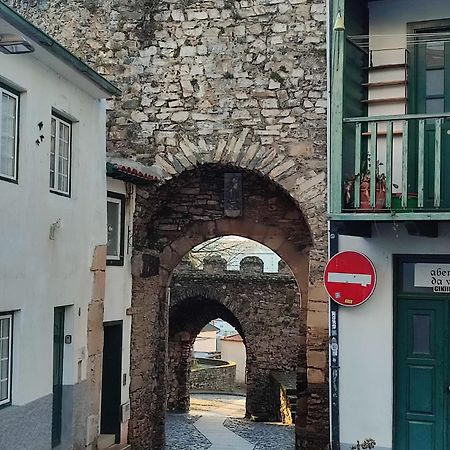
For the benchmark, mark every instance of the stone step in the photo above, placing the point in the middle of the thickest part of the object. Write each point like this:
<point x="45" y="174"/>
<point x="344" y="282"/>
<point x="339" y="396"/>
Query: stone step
<point x="106" y="441"/>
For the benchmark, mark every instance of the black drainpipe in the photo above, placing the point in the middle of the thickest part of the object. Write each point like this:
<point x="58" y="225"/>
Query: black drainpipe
<point x="334" y="349"/>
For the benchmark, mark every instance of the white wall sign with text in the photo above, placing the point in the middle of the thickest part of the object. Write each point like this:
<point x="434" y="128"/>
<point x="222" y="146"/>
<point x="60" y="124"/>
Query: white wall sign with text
<point x="436" y="276"/>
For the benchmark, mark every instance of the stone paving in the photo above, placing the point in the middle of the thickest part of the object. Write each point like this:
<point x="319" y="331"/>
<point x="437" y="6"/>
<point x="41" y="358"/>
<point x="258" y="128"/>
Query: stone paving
<point x="182" y="435"/>
<point x="265" y="436"/>
<point x="215" y="423"/>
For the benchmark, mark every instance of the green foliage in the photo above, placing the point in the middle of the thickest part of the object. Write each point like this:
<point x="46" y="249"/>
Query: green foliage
<point x="366" y="444"/>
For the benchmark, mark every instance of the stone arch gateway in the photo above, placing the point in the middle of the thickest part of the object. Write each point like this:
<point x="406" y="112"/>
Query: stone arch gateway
<point x="171" y="219"/>
<point x="264" y="308"/>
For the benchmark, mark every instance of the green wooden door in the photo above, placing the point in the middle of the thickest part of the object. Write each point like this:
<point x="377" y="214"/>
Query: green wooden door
<point x="422" y="378"/>
<point x="430" y="83"/>
<point x="58" y="356"/>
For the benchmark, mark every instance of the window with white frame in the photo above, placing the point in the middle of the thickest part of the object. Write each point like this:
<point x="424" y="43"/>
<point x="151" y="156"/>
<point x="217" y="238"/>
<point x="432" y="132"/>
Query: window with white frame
<point x="9" y="107"/>
<point x="116" y="223"/>
<point x="60" y="155"/>
<point x="5" y="358"/>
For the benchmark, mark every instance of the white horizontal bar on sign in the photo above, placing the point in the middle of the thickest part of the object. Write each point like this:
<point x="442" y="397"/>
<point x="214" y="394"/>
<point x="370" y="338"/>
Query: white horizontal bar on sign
<point x="351" y="278"/>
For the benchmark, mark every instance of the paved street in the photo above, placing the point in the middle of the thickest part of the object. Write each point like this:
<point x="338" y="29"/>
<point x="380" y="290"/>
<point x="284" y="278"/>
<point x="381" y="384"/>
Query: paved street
<point x="215" y="423"/>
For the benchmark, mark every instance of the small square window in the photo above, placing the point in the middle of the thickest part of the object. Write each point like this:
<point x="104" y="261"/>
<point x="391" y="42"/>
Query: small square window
<point x="5" y="358"/>
<point x="60" y="155"/>
<point x="115" y="230"/>
<point x="9" y="119"/>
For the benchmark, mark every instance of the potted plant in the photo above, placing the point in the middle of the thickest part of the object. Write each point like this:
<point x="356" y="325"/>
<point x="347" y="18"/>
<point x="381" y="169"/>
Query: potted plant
<point x="364" y="190"/>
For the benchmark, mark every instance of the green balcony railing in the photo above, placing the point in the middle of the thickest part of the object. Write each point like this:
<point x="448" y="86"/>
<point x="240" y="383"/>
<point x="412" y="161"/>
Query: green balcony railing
<point x="397" y="163"/>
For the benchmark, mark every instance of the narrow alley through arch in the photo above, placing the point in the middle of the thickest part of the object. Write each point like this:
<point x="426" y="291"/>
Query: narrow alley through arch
<point x="215" y="423"/>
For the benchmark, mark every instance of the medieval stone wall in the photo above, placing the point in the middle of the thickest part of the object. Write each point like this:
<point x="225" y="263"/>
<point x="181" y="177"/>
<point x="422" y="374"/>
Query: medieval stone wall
<point x="264" y="308"/>
<point x="219" y="376"/>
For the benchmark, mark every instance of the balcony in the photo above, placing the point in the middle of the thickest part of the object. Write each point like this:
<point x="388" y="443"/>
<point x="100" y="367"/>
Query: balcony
<point x="395" y="168"/>
<point x="389" y="152"/>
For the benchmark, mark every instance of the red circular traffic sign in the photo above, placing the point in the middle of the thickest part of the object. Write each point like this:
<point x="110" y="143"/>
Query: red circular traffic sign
<point x="350" y="278"/>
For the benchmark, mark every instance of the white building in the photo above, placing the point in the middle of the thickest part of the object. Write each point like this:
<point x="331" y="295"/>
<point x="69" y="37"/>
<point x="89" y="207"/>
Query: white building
<point x="390" y="104"/>
<point x="206" y="341"/>
<point x="233" y="349"/>
<point x="53" y="218"/>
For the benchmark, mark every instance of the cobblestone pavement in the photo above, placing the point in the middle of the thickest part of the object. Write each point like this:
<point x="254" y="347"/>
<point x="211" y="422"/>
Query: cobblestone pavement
<point x="266" y="436"/>
<point x="182" y="433"/>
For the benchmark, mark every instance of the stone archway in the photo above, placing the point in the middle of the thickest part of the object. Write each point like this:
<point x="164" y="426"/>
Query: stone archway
<point x="264" y="308"/>
<point x="170" y="220"/>
<point x="187" y="318"/>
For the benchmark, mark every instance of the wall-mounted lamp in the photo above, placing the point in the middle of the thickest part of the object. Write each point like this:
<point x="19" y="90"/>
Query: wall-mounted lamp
<point x="339" y="22"/>
<point x="13" y="44"/>
<point x="53" y="227"/>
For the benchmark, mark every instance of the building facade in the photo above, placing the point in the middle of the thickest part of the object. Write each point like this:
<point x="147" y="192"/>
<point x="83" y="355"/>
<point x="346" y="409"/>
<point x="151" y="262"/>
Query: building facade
<point x="52" y="207"/>
<point x="389" y="199"/>
<point x="232" y="348"/>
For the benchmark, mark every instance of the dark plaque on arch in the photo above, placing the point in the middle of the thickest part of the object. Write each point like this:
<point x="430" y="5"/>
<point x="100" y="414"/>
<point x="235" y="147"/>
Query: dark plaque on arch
<point x="233" y="194"/>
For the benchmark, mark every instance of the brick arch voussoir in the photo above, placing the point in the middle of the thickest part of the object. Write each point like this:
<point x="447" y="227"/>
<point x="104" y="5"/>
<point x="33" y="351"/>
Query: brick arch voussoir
<point x="242" y="153"/>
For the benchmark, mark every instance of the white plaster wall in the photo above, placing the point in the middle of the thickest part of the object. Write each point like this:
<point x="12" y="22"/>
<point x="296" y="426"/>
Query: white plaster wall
<point x="37" y="274"/>
<point x="366" y="336"/>
<point x="235" y="351"/>
<point x="119" y="283"/>
<point x="388" y="21"/>
<point x="206" y="342"/>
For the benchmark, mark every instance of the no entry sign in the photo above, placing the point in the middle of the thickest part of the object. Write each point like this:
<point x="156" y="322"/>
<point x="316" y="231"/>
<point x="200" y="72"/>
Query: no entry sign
<point x="350" y="278"/>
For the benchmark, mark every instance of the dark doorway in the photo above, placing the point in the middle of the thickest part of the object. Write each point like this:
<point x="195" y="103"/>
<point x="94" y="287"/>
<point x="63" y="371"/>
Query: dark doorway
<point x="111" y="380"/>
<point x="58" y="357"/>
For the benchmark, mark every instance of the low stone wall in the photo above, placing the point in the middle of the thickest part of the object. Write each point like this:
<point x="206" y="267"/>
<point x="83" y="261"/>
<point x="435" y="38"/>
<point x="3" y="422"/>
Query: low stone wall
<point x="219" y="376"/>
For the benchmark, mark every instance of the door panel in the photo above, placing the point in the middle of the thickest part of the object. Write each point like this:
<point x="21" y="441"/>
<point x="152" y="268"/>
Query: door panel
<point x="58" y="357"/>
<point x="421" y="436"/>
<point x="111" y="380"/>
<point x="431" y="94"/>
<point x="421" y="355"/>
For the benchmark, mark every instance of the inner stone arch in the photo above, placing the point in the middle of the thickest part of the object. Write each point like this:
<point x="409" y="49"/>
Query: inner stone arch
<point x="187" y="318"/>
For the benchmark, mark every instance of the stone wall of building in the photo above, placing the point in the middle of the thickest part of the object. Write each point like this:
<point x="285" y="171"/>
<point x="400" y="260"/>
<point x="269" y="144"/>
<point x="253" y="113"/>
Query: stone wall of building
<point x="263" y="307"/>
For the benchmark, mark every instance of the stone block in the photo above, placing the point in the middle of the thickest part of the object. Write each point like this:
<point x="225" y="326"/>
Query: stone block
<point x="98" y="285"/>
<point x="99" y="258"/>
<point x="317" y="360"/>
<point x="318" y="292"/>
<point x="316" y="376"/>
<point x="180" y="116"/>
<point x="318" y="319"/>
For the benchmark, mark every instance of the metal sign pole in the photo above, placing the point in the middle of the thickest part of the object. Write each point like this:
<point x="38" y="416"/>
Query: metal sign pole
<point x="334" y="350"/>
